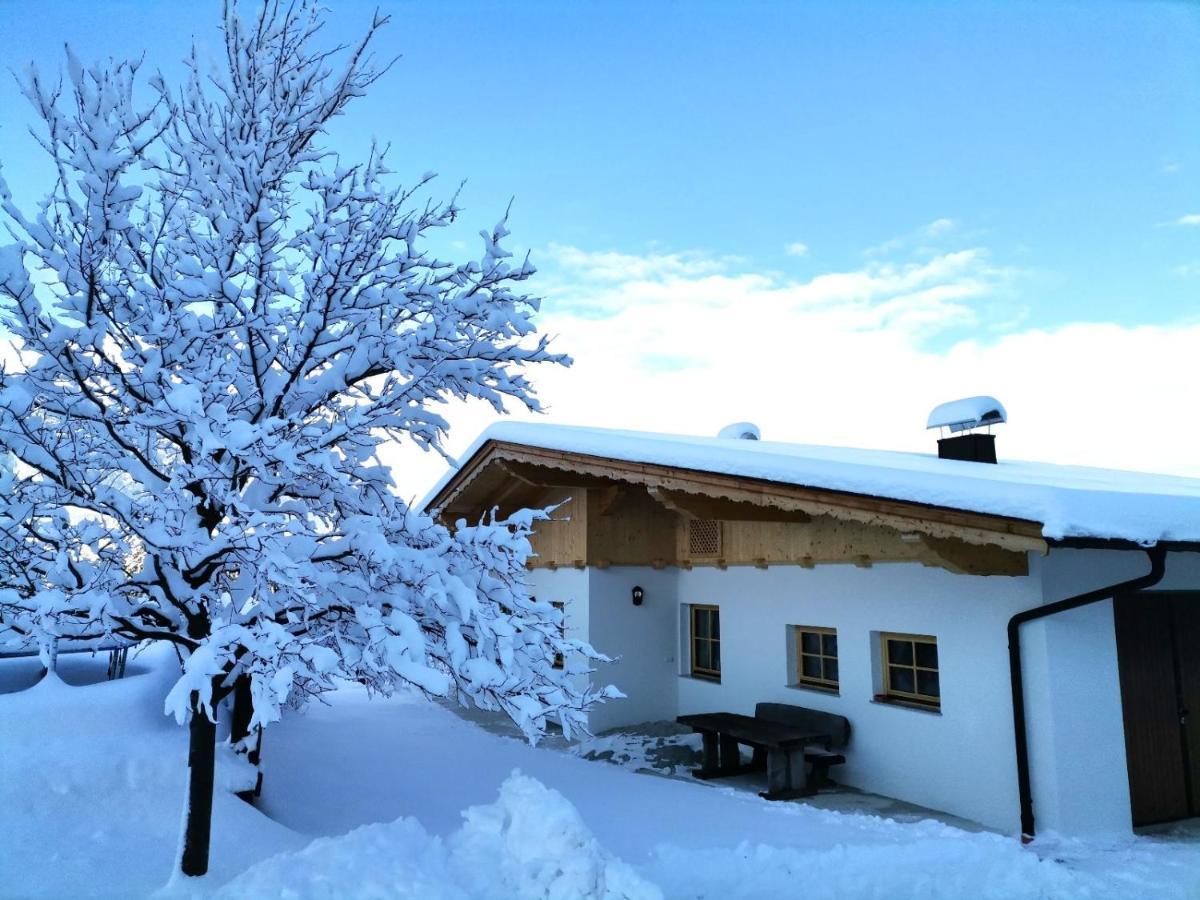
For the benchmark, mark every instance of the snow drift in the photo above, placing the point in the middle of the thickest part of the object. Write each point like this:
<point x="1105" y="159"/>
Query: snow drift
<point x="530" y="844"/>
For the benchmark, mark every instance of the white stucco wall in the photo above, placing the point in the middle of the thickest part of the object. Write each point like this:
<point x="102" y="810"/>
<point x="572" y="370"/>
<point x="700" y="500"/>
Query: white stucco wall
<point x="960" y="760"/>
<point x="642" y="639"/>
<point x="1073" y="692"/>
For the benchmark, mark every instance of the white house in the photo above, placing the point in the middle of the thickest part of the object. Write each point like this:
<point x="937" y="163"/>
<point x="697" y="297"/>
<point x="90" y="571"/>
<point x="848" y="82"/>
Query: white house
<point x="883" y="587"/>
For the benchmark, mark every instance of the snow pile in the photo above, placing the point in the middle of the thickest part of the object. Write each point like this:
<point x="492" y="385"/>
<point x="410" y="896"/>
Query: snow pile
<point x="539" y="847"/>
<point x="530" y="844"/>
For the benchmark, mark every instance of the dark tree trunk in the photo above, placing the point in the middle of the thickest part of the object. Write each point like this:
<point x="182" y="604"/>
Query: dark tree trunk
<point x="240" y="732"/>
<point x="51" y="655"/>
<point x="202" y="751"/>
<point x="116" y="663"/>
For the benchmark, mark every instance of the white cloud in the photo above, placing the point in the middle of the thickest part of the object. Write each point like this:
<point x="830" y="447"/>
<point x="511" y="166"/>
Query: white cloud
<point x="609" y="266"/>
<point x="935" y="229"/>
<point x="846" y="358"/>
<point x="1190" y="219"/>
<point x="796" y="248"/>
<point x="891" y="245"/>
<point x="1171" y="168"/>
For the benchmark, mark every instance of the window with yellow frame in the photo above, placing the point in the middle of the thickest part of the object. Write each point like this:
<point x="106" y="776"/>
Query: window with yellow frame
<point x="706" y="641"/>
<point x="910" y="669"/>
<point x="816" y="657"/>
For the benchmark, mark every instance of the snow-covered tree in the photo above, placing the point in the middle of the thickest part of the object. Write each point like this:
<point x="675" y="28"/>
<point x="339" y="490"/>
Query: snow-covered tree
<point x="46" y="555"/>
<point x="224" y="322"/>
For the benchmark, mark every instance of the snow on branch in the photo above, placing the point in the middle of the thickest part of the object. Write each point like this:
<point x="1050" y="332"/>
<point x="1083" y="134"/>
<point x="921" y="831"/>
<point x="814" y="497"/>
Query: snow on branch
<point x="224" y="323"/>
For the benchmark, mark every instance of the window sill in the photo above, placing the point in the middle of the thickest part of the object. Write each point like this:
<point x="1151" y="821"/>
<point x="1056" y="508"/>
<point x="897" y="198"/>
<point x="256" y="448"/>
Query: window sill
<point x="815" y="688"/>
<point x="904" y="704"/>
<point x="707" y="679"/>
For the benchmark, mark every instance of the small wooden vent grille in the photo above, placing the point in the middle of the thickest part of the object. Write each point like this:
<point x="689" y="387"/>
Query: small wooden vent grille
<point x="704" y="537"/>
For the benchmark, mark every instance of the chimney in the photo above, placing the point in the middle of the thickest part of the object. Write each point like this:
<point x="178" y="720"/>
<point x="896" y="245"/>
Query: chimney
<point x="966" y="415"/>
<point x="741" y="431"/>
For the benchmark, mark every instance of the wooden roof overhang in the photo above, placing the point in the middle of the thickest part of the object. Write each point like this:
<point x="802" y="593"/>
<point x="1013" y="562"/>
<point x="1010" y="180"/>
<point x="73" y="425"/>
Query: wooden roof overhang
<point x="506" y="474"/>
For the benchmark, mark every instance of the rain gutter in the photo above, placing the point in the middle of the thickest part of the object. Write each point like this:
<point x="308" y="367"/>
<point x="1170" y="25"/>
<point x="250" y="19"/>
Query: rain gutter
<point x="1157" y="556"/>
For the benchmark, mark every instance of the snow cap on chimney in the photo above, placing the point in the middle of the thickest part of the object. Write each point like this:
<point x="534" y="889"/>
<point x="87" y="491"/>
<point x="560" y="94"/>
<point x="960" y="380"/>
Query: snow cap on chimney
<point x="967" y="413"/>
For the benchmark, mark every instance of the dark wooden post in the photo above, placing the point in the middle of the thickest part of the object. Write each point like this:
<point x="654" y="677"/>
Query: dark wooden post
<point x="202" y="749"/>
<point x="731" y="755"/>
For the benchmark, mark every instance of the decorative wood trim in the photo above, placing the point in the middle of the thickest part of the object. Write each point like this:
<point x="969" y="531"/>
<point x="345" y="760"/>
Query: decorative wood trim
<point x="546" y="476"/>
<point x="698" y="506"/>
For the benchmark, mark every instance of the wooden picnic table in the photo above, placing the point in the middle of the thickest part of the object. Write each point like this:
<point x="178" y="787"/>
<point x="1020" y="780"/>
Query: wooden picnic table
<point x="722" y="732"/>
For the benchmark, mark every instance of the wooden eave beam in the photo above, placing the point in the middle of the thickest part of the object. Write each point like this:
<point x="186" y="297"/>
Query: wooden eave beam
<point x="487" y="480"/>
<point x="608" y="497"/>
<point x="512" y="495"/>
<point x="975" y="559"/>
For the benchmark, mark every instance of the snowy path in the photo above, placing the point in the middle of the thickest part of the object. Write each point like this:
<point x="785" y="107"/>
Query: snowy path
<point x="91" y="782"/>
<point x="362" y="761"/>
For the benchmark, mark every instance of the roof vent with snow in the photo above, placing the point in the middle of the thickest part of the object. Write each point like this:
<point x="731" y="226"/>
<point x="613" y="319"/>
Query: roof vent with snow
<point x="966" y="415"/>
<point x="741" y="431"/>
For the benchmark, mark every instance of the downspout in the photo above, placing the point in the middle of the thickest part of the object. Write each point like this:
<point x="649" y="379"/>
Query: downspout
<point x="1158" y="557"/>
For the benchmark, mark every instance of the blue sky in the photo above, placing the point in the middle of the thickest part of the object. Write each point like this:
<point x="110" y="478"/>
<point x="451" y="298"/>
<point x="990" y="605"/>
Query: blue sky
<point x="1064" y="133"/>
<point x="1056" y="145"/>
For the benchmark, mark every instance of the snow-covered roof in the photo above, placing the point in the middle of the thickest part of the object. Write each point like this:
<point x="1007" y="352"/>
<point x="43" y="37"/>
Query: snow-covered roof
<point x="1068" y="501"/>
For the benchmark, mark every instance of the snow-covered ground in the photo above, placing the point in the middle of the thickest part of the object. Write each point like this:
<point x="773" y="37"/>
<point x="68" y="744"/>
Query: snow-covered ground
<point x="92" y="775"/>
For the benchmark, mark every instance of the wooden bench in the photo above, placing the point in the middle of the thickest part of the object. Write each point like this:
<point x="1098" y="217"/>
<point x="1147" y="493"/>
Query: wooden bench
<point x="824" y="754"/>
<point x="781" y="744"/>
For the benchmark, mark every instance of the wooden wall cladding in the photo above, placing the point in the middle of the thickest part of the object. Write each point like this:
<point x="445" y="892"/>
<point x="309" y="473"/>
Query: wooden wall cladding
<point x="562" y="541"/>
<point x="626" y="525"/>
<point x="634" y="530"/>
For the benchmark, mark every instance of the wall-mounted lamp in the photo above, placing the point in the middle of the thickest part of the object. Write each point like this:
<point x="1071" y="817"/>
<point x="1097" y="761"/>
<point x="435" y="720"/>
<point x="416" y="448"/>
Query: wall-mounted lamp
<point x="638" y="596"/>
